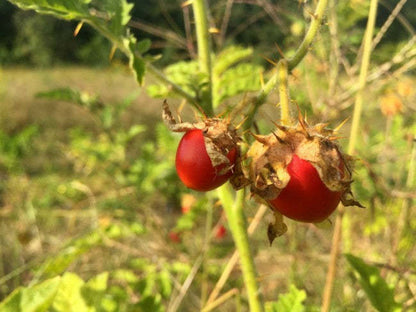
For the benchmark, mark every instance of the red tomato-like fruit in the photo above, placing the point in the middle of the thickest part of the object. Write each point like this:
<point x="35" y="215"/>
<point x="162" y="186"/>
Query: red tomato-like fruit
<point x="305" y="198"/>
<point x="194" y="167"/>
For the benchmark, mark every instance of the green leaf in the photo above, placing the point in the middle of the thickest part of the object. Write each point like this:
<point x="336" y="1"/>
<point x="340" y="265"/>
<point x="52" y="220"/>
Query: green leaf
<point x="144" y="45"/>
<point x="37" y="298"/>
<point x="66" y="9"/>
<point x="380" y="294"/>
<point x="136" y="63"/>
<point x="69" y="297"/>
<point x="289" y="302"/>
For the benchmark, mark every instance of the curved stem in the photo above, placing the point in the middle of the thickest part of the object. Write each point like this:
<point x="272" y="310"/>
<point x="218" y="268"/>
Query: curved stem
<point x="310" y="34"/>
<point x="204" y="51"/>
<point x="351" y="149"/>
<point x="300" y="53"/>
<point x="235" y="215"/>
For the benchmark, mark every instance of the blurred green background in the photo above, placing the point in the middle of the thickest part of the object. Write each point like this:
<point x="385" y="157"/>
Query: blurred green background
<point x="87" y="177"/>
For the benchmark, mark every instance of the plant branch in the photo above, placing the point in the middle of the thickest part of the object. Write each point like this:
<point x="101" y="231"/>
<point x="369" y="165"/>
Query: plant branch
<point x="237" y="221"/>
<point x="310" y="34"/>
<point x="150" y="68"/>
<point x="282" y="68"/>
<point x="300" y="53"/>
<point x="200" y="9"/>
<point x="365" y="62"/>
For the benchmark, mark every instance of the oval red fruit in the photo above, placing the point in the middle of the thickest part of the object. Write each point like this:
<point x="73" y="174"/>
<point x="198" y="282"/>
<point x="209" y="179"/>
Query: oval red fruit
<point x="194" y="167"/>
<point x="305" y="198"/>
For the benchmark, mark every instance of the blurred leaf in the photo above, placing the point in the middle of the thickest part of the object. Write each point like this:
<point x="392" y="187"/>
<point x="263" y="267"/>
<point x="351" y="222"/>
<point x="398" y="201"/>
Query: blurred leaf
<point x="378" y="291"/>
<point x="69" y="296"/>
<point x="289" y="302"/>
<point x="37" y="298"/>
<point x="72" y="96"/>
<point x="165" y="283"/>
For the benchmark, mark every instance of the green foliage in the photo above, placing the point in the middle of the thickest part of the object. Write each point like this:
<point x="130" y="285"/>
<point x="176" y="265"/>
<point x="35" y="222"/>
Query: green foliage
<point x="37" y="298"/>
<point x="289" y="302"/>
<point x="380" y="294"/>
<point x="14" y="147"/>
<point x="232" y="76"/>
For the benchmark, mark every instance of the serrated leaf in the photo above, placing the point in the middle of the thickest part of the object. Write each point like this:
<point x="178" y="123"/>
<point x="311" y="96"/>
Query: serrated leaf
<point x="66" y="9"/>
<point x="289" y="302"/>
<point x="136" y="63"/>
<point x="380" y="294"/>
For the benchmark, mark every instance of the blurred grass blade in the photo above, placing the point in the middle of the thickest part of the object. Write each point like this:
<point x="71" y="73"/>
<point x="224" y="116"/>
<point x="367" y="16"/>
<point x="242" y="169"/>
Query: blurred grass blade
<point x="378" y="291"/>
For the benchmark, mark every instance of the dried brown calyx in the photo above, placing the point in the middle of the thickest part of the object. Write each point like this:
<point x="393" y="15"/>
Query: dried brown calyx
<point x="292" y="153"/>
<point x="219" y="134"/>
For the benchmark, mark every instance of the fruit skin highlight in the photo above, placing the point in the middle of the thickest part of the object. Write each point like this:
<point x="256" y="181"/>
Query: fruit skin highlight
<point x="305" y="198"/>
<point x="194" y="166"/>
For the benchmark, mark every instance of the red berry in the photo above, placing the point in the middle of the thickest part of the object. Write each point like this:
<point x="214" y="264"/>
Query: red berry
<point x="174" y="237"/>
<point x="194" y="166"/>
<point x="305" y="198"/>
<point x="221" y="232"/>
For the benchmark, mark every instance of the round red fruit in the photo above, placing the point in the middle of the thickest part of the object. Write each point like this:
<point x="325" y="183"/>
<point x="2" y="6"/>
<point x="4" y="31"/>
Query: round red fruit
<point x="305" y="198"/>
<point x="194" y="166"/>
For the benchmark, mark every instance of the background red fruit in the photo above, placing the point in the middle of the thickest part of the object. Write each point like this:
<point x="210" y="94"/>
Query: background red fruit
<point x="305" y="198"/>
<point x="174" y="237"/>
<point x="194" y="167"/>
<point x="221" y="232"/>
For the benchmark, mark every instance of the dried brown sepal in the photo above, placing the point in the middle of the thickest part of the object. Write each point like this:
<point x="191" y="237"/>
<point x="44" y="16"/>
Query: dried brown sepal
<point x="271" y="154"/>
<point x="219" y="135"/>
<point x="277" y="228"/>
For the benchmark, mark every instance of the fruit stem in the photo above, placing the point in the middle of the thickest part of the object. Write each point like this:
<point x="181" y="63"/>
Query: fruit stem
<point x="200" y="9"/>
<point x="282" y="69"/>
<point x="337" y="236"/>
<point x="234" y="211"/>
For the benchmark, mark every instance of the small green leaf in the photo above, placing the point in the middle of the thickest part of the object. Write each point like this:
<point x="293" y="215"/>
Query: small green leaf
<point x="144" y="45"/>
<point x="380" y="294"/>
<point x="289" y="302"/>
<point x="137" y="64"/>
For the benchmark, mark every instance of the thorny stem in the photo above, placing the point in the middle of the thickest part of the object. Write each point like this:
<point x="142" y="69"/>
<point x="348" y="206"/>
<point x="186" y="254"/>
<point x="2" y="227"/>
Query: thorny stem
<point x="233" y="208"/>
<point x="351" y="149"/>
<point x="282" y="70"/>
<point x="300" y="53"/>
<point x="200" y="9"/>
<point x="310" y="35"/>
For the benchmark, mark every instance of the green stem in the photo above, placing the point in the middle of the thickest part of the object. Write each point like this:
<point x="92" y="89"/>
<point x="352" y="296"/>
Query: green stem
<point x="365" y="62"/>
<point x="282" y="70"/>
<point x="310" y="34"/>
<point x="204" y="51"/>
<point x="338" y="229"/>
<point x="237" y="221"/>
<point x="300" y="53"/>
